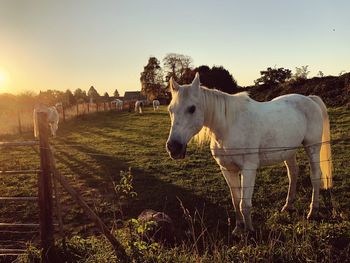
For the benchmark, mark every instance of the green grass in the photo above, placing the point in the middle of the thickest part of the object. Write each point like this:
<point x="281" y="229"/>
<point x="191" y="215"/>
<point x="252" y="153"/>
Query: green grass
<point x="92" y="150"/>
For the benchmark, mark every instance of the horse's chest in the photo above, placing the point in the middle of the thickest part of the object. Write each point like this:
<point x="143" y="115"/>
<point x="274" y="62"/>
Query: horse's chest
<point x="228" y="160"/>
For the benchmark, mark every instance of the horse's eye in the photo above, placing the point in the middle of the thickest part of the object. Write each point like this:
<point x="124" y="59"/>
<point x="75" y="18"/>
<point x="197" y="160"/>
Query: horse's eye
<point x="192" y="109"/>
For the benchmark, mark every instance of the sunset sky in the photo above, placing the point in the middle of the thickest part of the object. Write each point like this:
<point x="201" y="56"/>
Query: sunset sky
<point x="69" y="44"/>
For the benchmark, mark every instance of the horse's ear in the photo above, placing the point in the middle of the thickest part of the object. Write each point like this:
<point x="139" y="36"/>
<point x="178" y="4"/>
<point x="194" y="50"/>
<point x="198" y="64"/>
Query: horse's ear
<point x="173" y="85"/>
<point x="196" y="81"/>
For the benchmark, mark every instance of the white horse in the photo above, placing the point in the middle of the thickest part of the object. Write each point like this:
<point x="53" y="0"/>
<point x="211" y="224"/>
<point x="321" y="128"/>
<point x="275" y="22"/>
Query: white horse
<point x="118" y="104"/>
<point x="156" y="104"/>
<point x="52" y="118"/>
<point x="138" y="106"/>
<point x="245" y="134"/>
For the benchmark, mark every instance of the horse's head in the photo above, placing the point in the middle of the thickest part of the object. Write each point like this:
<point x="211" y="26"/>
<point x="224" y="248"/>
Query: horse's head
<point x="186" y="114"/>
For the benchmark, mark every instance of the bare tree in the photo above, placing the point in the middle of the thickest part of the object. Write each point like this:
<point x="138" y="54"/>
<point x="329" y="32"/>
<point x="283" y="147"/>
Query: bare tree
<point x="301" y="73"/>
<point x="176" y="66"/>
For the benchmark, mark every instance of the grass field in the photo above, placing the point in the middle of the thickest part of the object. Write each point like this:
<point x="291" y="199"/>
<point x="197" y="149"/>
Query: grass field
<point x="91" y="150"/>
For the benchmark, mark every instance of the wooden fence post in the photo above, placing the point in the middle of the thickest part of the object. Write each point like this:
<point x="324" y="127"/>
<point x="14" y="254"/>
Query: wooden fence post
<point x="19" y="122"/>
<point x="77" y="109"/>
<point x="63" y="114"/>
<point x="96" y="107"/>
<point x="104" y="106"/>
<point x="88" y="107"/>
<point x="45" y="191"/>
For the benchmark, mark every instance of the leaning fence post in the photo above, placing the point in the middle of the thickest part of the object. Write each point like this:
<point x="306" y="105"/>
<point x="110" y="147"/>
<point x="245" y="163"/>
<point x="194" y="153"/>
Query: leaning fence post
<point x="45" y="191"/>
<point x="119" y="249"/>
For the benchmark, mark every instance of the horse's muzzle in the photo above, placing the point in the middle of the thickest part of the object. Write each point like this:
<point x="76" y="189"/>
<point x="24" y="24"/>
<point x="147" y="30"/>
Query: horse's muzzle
<point x="176" y="149"/>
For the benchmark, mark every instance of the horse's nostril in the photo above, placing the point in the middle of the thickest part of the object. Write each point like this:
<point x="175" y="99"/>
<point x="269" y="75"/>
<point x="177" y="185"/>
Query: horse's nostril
<point x="174" y="146"/>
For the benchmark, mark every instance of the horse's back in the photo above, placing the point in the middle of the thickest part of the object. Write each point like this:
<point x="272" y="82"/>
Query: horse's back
<point x="293" y="117"/>
<point x="305" y="105"/>
<point x="283" y="122"/>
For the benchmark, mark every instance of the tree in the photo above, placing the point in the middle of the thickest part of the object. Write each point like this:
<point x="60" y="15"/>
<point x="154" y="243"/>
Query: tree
<point x="320" y="74"/>
<point x="93" y="94"/>
<point x="273" y="76"/>
<point x="152" y="79"/>
<point x="70" y="99"/>
<point x="80" y="95"/>
<point x="176" y="66"/>
<point x="301" y="73"/>
<point x="51" y="97"/>
<point x="116" y="93"/>
<point x="105" y="96"/>
<point x="217" y="77"/>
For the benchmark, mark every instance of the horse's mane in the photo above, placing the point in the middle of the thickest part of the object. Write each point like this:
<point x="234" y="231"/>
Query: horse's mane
<point x="220" y="108"/>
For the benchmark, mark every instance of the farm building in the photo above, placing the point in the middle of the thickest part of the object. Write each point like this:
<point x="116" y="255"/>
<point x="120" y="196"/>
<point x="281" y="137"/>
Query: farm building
<point x="133" y="95"/>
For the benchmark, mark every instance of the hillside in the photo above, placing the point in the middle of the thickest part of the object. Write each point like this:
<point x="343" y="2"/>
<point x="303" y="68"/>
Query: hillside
<point x="335" y="91"/>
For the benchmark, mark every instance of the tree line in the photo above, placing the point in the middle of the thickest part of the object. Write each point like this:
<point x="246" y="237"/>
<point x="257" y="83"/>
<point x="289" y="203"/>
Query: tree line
<point x="155" y="77"/>
<point x="154" y="82"/>
<point x="51" y="97"/>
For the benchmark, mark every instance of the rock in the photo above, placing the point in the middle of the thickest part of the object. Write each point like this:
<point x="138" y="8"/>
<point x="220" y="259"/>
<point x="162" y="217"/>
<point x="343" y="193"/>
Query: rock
<point x="163" y="231"/>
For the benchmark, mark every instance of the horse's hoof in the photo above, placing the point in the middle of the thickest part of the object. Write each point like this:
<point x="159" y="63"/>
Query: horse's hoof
<point x="288" y="208"/>
<point x="238" y="231"/>
<point x="249" y="231"/>
<point x="312" y="215"/>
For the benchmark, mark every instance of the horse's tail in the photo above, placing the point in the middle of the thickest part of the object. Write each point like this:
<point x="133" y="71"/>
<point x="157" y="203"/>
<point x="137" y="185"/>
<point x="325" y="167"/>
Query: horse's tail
<point x="35" y="123"/>
<point x="325" y="154"/>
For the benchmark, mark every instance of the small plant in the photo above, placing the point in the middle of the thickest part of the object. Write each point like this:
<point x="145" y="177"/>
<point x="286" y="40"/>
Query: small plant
<point x="137" y="247"/>
<point x="33" y="254"/>
<point x="125" y="190"/>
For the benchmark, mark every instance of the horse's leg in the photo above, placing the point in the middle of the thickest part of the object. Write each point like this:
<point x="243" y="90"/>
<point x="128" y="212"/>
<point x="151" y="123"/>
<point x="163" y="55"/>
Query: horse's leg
<point x="247" y="188"/>
<point x="313" y="153"/>
<point x="293" y="171"/>
<point x="234" y="183"/>
<point x="52" y="129"/>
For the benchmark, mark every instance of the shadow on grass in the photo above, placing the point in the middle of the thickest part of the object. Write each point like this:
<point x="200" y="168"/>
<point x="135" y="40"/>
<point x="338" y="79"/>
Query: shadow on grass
<point x="153" y="193"/>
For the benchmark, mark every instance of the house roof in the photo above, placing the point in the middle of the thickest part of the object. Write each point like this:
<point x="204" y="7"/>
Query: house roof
<point x="133" y="95"/>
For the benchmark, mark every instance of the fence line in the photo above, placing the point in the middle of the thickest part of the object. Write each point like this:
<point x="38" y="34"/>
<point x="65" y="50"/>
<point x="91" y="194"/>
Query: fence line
<point x="21" y="120"/>
<point x="266" y="149"/>
<point x="45" y="196"/>
<point x="334" y="160"/>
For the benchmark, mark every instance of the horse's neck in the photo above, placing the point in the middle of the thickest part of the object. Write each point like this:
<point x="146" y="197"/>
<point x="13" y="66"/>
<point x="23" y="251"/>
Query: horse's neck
<point x="217" y="112"/>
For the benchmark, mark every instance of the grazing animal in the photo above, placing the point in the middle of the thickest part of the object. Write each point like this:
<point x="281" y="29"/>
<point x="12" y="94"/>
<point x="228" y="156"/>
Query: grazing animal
<point x="156" y="104"/>
<point x="245" y="134"/>
<point x="138" y="106"/>
<point x="118" y="104"/>
<point x="52" y="118"/>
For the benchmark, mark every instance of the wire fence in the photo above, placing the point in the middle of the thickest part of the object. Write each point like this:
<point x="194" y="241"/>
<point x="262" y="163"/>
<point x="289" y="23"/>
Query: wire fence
<point x="231" y="152"/>
<point x="61" y="148"/>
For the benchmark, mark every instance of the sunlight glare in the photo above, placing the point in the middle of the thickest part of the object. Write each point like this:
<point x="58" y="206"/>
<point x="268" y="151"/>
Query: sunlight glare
<point x="3" y="80"/>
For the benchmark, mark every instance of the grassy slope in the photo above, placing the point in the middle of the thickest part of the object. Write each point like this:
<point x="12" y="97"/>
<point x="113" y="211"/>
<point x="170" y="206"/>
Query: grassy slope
<point x="92" y="150"/>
